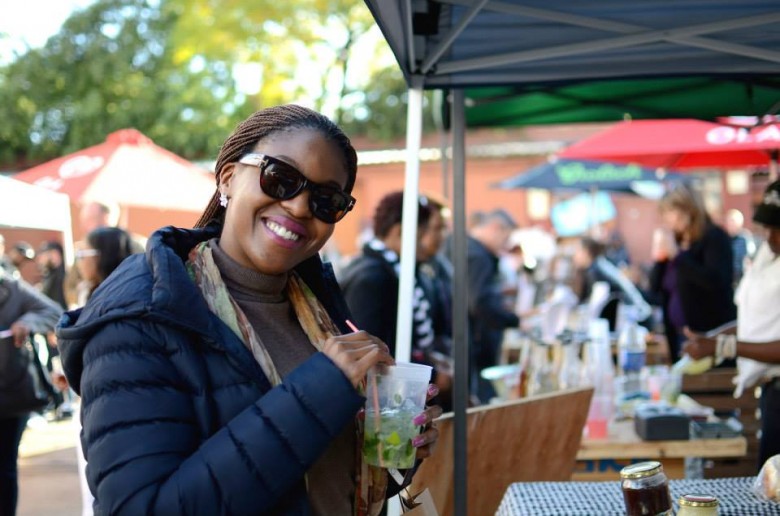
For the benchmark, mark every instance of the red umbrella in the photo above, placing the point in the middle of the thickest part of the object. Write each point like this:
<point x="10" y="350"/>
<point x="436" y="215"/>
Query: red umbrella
<point x="680" y="143"/>
<point x="127" y="169"/>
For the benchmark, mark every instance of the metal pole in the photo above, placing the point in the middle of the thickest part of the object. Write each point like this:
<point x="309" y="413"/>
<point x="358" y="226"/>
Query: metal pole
<point x="403" y="340"/>
<point x="403" y="336"/>
<point x="460" y="311"/>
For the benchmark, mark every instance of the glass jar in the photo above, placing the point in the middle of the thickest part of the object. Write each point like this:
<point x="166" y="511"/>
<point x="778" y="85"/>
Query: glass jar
<point x="698" y="505"/>
<point x="646" y="489"/>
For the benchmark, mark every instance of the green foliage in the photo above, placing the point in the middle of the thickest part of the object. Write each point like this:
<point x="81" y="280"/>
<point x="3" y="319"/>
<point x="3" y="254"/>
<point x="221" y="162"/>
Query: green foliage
<point x="111" y="67"/>
<point x="379" y="112"/>
<point x="302" y="47"/>
<point x="166" y="68"/>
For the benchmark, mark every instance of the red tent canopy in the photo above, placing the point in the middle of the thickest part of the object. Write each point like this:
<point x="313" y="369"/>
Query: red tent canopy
<point x="680" y="143"/>
<point x="127" y="169"/>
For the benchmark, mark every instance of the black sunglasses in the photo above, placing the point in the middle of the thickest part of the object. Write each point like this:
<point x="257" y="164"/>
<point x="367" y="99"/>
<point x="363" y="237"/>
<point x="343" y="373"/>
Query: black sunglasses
<point x="282" y="181"/>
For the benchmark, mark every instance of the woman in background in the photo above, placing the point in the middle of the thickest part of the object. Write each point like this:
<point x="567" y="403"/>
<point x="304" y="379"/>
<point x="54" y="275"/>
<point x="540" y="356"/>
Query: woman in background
<point x="692" y="273"/>
<point x="104" y="250"/>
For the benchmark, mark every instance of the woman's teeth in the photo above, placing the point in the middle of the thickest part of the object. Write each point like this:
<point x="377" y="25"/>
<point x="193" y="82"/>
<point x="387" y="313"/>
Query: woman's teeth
<point x="281" y="231"/>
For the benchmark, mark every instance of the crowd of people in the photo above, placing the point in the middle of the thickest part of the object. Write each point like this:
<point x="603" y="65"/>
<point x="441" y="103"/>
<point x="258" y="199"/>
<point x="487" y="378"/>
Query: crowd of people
<point x="217" y="367"/>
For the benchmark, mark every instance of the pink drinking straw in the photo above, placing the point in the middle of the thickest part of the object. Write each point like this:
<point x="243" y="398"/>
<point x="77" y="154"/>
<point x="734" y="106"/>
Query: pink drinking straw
<point x="377" y="420"/>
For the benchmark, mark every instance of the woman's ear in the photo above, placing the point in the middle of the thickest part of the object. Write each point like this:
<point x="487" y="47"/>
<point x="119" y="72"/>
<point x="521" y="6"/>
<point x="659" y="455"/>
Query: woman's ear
<point x="226" y="177"/>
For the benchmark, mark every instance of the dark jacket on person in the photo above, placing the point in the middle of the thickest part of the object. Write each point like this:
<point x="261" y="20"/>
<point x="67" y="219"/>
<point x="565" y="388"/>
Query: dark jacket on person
<point x="370" y="286"/>
<point x="20" y="302"/>
<point x="704" y="282"/>
<point x="53" y="285"/>
<point x="178" y="417"/>
<point x="488" y="317"/>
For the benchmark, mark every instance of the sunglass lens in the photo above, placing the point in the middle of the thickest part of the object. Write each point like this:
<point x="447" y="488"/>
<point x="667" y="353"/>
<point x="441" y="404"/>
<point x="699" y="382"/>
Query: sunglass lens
<point x="280" y="181"/>
<point x="328" y="204"/>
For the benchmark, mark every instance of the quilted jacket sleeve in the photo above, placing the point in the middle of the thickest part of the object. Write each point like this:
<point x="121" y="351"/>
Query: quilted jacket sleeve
<point x="145" y="449"/>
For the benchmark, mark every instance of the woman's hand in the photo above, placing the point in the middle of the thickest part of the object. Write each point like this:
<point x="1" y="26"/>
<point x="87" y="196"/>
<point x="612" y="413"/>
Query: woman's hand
<point x="426" y="441"/>
<point x="355" y="353"/>
<point x="698" y="346"/>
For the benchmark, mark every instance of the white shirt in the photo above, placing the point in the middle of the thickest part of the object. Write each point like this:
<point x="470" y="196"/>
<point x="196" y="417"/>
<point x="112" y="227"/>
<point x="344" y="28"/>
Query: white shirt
<point x="758" y="307"/>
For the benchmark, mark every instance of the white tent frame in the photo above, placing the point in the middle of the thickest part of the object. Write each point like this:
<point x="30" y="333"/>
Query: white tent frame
<point x="27" y="206"/>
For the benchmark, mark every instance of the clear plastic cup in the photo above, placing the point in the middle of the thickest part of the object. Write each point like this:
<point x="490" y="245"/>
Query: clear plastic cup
<point x="394" y="396"/>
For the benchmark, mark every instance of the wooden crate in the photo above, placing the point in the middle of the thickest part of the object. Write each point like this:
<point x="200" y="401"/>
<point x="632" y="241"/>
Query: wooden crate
<point x="715" y="389"/>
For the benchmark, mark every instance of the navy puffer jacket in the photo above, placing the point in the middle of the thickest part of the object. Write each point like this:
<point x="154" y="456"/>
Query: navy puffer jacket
<point x="178" y="417"/>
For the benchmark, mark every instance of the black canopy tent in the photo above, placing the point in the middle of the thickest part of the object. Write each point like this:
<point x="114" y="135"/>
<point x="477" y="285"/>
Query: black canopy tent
<point x="533" y="61"/>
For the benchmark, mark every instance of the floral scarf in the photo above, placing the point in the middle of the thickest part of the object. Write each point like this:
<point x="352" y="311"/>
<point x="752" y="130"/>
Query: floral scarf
<point x="318" y="326"/>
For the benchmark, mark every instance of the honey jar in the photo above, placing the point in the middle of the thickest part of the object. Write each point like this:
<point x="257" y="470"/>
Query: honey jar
<point x="646" y="489"/>
<point x="698" y="505"/>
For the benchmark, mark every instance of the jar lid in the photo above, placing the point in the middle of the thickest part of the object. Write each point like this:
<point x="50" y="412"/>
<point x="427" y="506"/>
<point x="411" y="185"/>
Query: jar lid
<point x="698" y="500"/>
<point x="641" y="469"/>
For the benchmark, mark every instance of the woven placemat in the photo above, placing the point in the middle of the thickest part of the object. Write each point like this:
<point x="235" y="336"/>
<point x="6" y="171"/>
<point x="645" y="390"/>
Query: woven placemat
<point x="606" y="498"/>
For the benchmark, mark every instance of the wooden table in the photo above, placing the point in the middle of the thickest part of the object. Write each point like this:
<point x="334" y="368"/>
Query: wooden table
<point x="602" y="459"/>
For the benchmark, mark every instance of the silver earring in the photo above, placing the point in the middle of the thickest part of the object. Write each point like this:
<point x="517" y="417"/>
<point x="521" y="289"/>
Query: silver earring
<point x="223" y="199"/>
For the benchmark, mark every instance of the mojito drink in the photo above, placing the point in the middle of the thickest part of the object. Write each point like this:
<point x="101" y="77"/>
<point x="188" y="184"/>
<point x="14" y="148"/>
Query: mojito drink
<point x="387" y="440"/>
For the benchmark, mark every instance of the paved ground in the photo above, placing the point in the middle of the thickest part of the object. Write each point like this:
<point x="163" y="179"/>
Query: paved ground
<point x="49" y="484"/>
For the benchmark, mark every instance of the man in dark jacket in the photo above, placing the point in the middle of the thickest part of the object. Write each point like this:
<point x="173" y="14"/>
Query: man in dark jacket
<point x="488" y="317"/>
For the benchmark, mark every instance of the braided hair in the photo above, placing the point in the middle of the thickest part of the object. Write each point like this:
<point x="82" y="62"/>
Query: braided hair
<point x="264" y="123"/>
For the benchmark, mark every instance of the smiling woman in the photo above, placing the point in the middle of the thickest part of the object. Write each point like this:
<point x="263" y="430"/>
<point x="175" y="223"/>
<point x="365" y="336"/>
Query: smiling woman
<point x="218" y="370"/>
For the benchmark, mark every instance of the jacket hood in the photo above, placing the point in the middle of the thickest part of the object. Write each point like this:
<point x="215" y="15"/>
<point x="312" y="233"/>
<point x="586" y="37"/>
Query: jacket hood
<point x="156" y="286"/>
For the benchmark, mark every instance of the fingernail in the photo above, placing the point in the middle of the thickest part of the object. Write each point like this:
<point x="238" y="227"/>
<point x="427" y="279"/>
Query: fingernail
<point x="433" y="390"/>
<point x="419" y="419"/>
<point x="418" y="441"/>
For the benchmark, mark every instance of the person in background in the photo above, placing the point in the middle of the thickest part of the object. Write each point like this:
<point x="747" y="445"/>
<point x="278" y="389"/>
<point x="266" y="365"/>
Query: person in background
<point x="93" y="215"/>
<point x="616" y="251"/>
<point x="377" y="269"/>
<point x="23" y="311"/>
<point x="434" y="274"/>
<point x="52" y="266"/>
<point x="693" y="270"/>
<point x="218" y="372"/>
<point x="104" y="249"/>
<point x="488" y="317"/>
<point x="591" y="266"/>
<point x="756" y="343"/>
<point x="5" y="261"/>
<point x="743" y="245"/>
<point x="20" y="253"/>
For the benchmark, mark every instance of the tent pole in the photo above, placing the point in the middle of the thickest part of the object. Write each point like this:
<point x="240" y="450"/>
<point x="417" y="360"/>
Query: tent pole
<point x="403" y="335"/>
<point x="460" y="328"/>
<point x="409" y="226"/>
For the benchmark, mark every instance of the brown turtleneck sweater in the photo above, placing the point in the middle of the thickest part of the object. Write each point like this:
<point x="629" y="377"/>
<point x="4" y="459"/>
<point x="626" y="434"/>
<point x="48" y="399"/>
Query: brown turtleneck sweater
<point x="263" y="299"/>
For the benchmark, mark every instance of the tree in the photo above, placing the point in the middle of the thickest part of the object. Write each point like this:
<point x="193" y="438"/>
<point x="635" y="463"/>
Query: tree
<point x="112" y="66"/>
<point x="302" y="48"/>
<point x="379" y="110"/>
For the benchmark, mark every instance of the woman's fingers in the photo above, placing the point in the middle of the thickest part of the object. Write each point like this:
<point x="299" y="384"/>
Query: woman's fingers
<point x="355" y="353"/>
